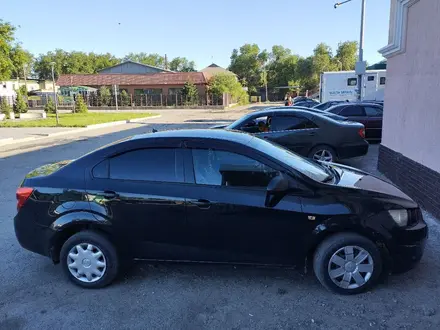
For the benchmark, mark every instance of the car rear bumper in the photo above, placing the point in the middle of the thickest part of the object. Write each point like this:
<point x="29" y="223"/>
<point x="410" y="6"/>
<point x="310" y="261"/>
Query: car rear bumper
<point x="31" y="235"/>
<point x="351" y="150"/>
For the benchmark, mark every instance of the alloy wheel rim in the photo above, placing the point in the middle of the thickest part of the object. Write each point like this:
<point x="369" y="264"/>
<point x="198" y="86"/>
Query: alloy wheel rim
<point x="86" y="262"/>
<point x="350" y="267"/>
<point x="323" y="155"/>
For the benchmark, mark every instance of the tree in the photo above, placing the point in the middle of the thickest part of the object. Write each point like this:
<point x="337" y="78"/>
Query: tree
<point x="6" y="44"/>
<point x="190" y="94"/>
<point x="50" y="106"/>
<point x="5" y="107"/>
<point x="149" y="59"/>
<point x="80" y="106"/>
<point x="227" y="83"/>
<point x="248" y="63"/>
<point x="20" y="105"/>
<point x="104" y="96"/>
<point x="346" y="55"/>
<point x="182" y="64"/>
<point x="21" y="58"/>
<point x="125" y="98"/>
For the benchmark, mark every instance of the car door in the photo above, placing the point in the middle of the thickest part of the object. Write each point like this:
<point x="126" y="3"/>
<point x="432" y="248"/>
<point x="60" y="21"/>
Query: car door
<point x="142" y="193"/>
<point x="227" y="217"/>
<point x="375" y="117"/>
<point x="294" y="132"/>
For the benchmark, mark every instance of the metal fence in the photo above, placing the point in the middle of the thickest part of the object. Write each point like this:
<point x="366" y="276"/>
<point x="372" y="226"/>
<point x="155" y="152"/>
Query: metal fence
<point x="93" y="100"/>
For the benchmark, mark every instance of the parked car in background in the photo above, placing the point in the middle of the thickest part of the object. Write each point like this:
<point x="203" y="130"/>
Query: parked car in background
<point x="326" y="105"/>
<point x="309" y="103"/>
<point x="324" y="113"/>
<point x="369" y="114"/>
<point x="216" y="196"/>
<point x="307" y="133"/>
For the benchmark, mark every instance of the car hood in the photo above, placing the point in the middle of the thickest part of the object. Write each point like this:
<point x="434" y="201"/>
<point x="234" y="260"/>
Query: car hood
<point x="353" y="178"/>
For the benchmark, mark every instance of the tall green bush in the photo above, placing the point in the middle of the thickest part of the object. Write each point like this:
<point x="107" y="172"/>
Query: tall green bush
<point x="125" y="98"/>
<point x="20" y="105"/>
<point x="105" y="96"/>
<point x="80" y="105"/>
<point x="5" y="108"/>
<point x="228" y="83"/>
<point x="50" y="106"/>
<point x="190" y="94"/>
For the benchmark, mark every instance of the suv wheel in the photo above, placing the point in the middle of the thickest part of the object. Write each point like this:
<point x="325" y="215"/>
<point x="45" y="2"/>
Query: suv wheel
<point x="347" y="263"/>
<point x="89" y="260"/>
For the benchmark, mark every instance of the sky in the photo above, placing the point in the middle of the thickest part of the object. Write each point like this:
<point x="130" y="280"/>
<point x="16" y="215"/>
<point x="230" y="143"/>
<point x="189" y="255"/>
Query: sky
<point x="202" y="31"/>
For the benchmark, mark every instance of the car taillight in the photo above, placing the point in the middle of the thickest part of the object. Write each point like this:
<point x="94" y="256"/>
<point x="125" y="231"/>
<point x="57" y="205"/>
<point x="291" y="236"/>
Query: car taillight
<point x="22" y="195"/>
<point x="362" y="132"/>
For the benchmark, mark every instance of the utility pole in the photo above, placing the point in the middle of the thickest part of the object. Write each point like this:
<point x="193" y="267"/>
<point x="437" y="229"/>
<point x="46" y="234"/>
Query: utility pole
<point x="55" y="93"/>
<point x="116" y="98"/>
<point x="25" y="81"/>
<point x="166" y="62"/>
<point x="360" y="65"/>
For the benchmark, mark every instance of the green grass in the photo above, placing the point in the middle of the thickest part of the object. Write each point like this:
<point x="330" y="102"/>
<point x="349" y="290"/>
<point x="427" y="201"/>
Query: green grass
<point x="75" y="120"/>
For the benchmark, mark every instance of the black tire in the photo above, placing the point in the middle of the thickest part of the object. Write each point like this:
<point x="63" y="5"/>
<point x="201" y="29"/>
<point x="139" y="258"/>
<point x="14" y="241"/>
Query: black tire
<point x="102" y="243"/>
<point x="332" y="244"/>
<point x="326" y="148"/>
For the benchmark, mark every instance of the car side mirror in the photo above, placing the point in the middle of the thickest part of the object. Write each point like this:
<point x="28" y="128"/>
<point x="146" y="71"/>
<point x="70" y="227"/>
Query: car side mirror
<point x="276" y="190"/>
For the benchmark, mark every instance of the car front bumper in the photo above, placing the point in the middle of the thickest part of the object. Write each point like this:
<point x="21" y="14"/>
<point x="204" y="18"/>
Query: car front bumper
<point x="350" y="150"/>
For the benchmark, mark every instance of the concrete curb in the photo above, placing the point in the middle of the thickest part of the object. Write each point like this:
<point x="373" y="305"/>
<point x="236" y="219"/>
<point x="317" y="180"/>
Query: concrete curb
<point x="9" y="141"/>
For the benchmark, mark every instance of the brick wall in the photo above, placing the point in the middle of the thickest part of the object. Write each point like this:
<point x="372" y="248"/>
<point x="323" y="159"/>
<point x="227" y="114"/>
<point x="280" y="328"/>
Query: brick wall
<point x="419" y="182"/>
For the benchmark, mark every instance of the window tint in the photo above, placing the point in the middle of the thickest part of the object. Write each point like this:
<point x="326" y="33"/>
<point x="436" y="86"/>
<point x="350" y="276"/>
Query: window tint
<point x="257" y="125"/>
<point x="373" y="111"/>
<point x="285" y="123"/>
<point x="336" y="109"/>
<point x="222" y="168"/>
<point x="352" y="81"/>
<point x="148" y="165"/>
<point x="352" y="111"/>
<point x="383" y="80"/>
<point x="370" y="78"/>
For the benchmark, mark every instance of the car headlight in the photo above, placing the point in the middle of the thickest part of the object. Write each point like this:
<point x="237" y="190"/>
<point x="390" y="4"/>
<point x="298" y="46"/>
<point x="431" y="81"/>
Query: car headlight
<point x="399" y="216"/>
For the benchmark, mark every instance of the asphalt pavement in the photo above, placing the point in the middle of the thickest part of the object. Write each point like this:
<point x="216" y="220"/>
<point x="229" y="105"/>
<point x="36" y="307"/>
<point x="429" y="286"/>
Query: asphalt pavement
<point x="35" y="294"/>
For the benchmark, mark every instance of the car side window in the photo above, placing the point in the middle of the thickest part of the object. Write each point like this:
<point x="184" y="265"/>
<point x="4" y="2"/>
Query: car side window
<point x="291" y="122"/>
<point x="351" y="111"/>
<point x="163" y="165"/>
<point x="258" y="125"/>
<point x="373" y="111"/>
<point x="336" y="110"/>
<point x="223" y="168"/>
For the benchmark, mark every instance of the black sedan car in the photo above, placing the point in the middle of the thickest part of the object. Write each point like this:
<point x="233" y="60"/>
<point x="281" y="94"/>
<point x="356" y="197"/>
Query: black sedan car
<point x="369" y="114"/>
<point x="216" y="196"/>
<point x="308" y="133"/>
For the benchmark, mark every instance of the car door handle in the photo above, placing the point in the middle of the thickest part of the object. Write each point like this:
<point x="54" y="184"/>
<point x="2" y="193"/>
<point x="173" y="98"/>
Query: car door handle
<point x="202" y="203"/>
<point x="109" y="194"/>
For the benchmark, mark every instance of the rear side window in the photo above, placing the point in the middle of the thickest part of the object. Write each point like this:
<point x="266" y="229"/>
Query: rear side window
<point x="370" y="78"/>
<point x="163" y="165"/>
<point x="383" y="80"/>
<point x="351" y="111"/>
<point x="373" y="111"/>
<point x="287" y="123"/>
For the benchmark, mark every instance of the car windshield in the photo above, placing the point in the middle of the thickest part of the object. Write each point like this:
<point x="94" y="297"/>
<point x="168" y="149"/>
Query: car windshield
<point x="298" y="163"/>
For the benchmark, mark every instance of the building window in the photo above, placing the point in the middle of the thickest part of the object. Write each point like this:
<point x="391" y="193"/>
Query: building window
<point x="370" y="78"/>
<point x="153" y="91"/>
<point x="174" y="91"/>
<point x="383" y="80"/>
<point x="138" y="92"/>
<point x="352" y="81"/>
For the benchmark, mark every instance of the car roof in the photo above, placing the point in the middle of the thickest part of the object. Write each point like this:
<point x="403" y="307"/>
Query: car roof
<point x="225" y="135"/>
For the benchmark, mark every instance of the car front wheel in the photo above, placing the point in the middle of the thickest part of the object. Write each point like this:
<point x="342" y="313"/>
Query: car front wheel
<point x="89" y="259"/>
<point x="347" y="263"/>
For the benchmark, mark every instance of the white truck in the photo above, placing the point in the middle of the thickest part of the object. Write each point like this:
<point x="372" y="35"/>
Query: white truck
<point x="342" y="86"/>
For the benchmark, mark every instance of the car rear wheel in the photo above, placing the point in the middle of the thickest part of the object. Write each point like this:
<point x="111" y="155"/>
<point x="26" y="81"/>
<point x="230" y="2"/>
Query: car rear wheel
<point x="323" y="153"/>
<point x="89" y="260"/>
<point x="347" y="263"/>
